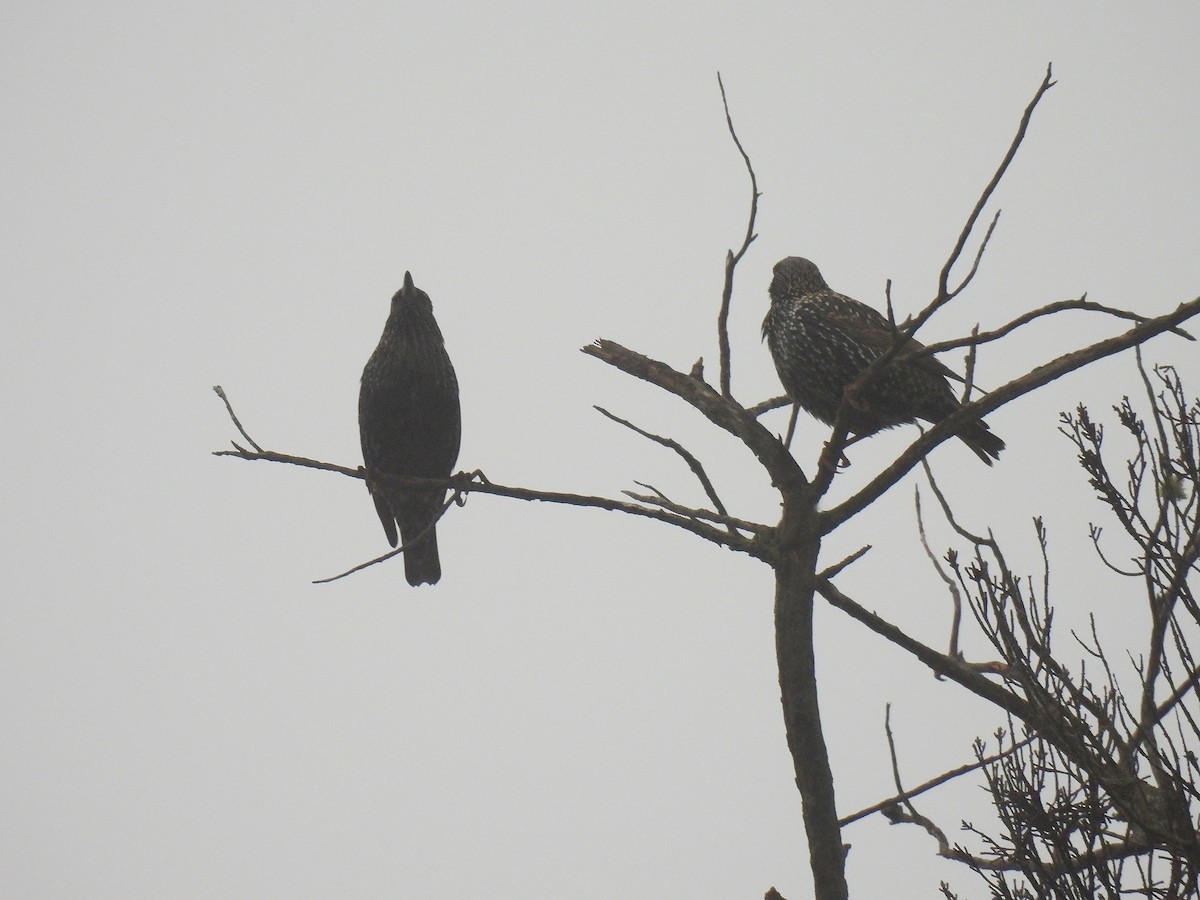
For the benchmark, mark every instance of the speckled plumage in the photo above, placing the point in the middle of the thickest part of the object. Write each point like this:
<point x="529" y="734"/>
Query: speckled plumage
<point x="822" y="341"/>
<point x="410" y="425"/>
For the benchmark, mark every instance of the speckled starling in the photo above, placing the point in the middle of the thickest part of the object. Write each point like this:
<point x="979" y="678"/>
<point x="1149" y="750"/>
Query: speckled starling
<point x="822" y="341"/>
<point x="409" y="423"/>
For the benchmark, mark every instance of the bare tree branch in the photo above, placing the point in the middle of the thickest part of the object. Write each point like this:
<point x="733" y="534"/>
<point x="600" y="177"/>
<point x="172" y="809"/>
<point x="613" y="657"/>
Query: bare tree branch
<point x="463" y="483"/>
<point x="970" y="677"/>
<point x="929" y="785"/>
<point x="767" y="405"/>
<point x="944" y="292"/>
<point x="987" y="337"/>
<point x="272" y="456"/>
<point x="955" y="596"/>
<point x="841" y="566"/>
<point x="795" y="561"/>
<point x="730" y="522"/>
<point x="721" y="411"/>
<point x="691" y="521"/>
<point x="692" y="462"/>
<point x="1018" y="387"/>
<point x="731" y="258"/>
<point x="398" y="551"/>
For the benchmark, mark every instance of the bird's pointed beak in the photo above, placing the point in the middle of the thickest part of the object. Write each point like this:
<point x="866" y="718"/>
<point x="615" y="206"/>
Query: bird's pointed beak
<point x="408" y="283"/>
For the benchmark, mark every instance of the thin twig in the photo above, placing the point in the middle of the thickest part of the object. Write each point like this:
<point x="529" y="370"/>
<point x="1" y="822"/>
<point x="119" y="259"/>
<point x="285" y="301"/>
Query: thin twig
<point x="955" y="596"/>
<point x="944" y="293"/>
<point x="987" y="337"/>
<point x="658" y="495"/>
<point x="905" y="333"/>
<point x="767" y="405"/>
<point x="220" y="392"/>
<point x="722" y="411"/>
<point x="987" y="237"/>
<point x="791" y="429"/>
<point x="272" y="456"/>
<point x="931" y="784"/>
<point x="841" y="566"/>
<point x="688" y="457"/>
<point x="708" y="515"/>
<point x="731" y="258"/>
<point x="420" y="537"/>
<point x="891" y="739"/>
<point x="965" y="234"/>
<point x="897" y="814"/>
<point x="1147" y="724"/>
<point x="972" y="353"/>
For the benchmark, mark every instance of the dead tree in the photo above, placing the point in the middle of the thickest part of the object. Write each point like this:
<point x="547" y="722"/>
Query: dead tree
<point x="792" y="545"/>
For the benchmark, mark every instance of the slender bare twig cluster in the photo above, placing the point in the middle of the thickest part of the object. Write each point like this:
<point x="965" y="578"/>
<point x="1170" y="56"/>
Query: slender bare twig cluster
<point x="1100" y="796"/>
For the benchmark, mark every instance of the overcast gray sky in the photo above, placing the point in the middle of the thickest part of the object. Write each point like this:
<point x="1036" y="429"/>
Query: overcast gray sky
<point x="586" y="706"/>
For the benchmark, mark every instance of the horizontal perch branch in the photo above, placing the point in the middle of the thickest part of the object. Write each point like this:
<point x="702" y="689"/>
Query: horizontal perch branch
<point x="730" y="536"/>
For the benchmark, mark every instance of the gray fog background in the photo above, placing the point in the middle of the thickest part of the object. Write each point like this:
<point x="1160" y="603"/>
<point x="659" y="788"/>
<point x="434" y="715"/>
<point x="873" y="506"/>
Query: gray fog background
<point x="587" y="705"/>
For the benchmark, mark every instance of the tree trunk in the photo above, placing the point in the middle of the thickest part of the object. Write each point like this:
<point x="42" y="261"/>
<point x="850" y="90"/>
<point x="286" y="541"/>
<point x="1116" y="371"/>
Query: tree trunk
<point x="795" y="586"/>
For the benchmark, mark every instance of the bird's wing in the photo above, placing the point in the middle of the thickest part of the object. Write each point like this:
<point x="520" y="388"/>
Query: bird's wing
<point x="876" y="332"/>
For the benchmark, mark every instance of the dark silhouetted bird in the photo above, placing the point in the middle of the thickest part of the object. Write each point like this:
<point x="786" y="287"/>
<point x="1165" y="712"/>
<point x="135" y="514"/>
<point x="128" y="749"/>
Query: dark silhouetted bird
<point x="822" y="341"/>
<point x="410" y="425"/>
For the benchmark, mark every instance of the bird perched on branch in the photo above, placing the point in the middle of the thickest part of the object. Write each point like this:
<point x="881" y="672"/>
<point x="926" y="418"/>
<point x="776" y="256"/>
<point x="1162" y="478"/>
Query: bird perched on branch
<point x="410" y="425"/>
<point x="823" y="341"/>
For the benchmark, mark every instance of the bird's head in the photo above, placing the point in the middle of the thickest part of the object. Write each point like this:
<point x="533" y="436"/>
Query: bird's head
<point x="795" y="276"/>
<point x="410" y="298"/>
<point x="411" y="316"/>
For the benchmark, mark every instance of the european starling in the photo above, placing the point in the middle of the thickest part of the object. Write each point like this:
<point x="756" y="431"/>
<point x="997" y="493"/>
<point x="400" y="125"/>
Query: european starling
<point x="822" y="341"/>
<point x="409" y="423"/>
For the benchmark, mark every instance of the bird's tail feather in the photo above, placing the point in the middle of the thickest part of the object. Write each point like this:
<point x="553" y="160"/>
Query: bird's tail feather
<point x="421" y="562"/>
<point x="982" y="441"/>
<point x="418" y="536"/>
